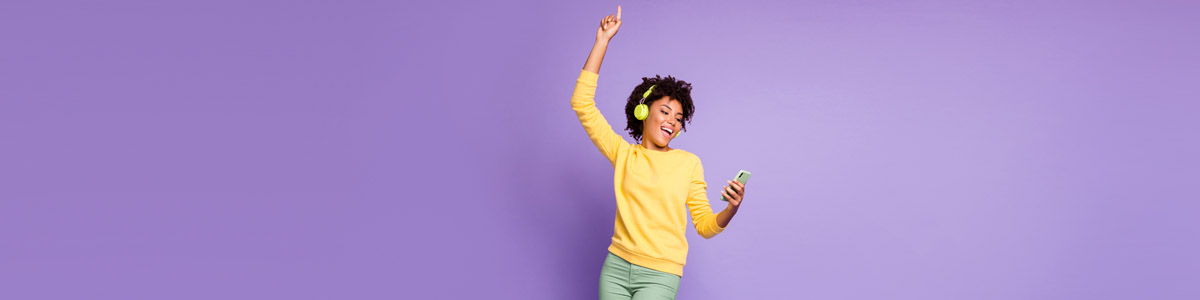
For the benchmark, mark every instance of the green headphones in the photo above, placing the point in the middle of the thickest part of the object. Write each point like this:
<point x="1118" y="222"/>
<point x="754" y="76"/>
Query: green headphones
<point x="641" y="111"/>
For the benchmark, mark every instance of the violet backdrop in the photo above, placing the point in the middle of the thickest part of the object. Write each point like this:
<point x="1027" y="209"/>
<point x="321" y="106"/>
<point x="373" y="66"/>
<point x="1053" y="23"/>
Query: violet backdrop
<point x="427" y="150"/>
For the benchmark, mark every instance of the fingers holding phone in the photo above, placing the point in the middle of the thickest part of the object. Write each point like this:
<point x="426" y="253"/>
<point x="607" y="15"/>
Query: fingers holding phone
<point x="734" y="192"/>
<point x="735" y="189"/>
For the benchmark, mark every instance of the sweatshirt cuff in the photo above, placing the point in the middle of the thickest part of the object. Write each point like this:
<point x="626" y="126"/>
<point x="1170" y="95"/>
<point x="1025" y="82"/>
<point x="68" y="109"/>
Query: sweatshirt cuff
<point x="588" y="76"/>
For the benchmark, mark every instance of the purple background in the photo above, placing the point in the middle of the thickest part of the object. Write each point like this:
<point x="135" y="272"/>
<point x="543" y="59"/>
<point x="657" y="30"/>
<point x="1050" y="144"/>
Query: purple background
<point x="393" y="150"/>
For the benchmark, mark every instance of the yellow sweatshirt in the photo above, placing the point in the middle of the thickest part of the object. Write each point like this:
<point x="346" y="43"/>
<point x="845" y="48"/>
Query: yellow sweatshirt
<point x="652" y="188"/>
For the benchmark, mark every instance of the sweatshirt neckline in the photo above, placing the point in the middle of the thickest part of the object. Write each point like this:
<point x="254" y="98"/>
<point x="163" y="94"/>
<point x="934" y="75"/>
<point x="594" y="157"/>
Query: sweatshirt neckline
<point x="644" y="149"/>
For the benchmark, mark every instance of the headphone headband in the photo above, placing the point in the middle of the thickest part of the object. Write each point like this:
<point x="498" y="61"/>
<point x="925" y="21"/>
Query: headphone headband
<point x="647" y="93"/>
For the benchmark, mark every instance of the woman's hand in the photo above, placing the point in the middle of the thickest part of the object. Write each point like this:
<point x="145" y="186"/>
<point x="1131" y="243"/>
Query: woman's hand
<point x="608" y="26"/>
<point x="608" y="29"/>
<point x="734" y="192"/>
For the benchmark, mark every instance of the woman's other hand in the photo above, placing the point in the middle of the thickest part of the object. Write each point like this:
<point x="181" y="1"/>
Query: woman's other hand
<point x="608" y="26"/>
<point x="734" y="192"/>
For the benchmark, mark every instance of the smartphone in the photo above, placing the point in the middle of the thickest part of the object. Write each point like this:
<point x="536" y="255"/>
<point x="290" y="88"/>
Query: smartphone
<point x="742" y="177"/>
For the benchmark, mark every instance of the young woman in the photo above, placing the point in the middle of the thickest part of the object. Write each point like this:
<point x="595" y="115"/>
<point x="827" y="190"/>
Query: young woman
<point x="653" y="182"/>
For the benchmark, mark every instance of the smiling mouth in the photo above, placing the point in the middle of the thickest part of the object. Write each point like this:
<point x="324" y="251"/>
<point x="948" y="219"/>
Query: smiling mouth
<point x="667" y="131"/>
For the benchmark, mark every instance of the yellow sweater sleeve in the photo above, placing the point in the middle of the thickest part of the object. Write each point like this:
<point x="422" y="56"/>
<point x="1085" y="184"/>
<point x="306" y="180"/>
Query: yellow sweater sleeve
<point x="697" y="202"/>
<point x="602" y="134"/>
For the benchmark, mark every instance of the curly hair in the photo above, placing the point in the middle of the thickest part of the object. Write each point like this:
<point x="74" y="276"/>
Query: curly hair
<point x="678" y="90"/>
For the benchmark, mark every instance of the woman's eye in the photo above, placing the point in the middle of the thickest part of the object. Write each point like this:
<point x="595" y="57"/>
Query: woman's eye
<point x="679" y="120"/>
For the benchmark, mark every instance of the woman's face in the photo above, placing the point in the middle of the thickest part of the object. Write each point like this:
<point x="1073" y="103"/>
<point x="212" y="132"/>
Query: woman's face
<point x="665" y="120"/>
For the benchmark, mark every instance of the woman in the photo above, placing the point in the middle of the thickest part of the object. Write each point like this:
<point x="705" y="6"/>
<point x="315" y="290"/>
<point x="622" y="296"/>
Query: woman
<point x="653" y="182"/>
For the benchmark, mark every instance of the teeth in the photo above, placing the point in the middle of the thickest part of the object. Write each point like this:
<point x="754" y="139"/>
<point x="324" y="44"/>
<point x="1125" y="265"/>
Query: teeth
<point x="668" y="130"/>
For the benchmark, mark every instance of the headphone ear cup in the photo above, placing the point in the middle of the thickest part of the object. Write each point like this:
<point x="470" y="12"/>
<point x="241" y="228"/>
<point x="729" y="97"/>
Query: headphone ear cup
<point x="677" y="133"/>
<point x="641" y="111"/>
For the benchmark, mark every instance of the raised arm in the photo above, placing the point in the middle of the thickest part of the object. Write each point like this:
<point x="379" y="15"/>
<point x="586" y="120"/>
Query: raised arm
<point x="608" y="29"/>
<point x="583" y="99"/>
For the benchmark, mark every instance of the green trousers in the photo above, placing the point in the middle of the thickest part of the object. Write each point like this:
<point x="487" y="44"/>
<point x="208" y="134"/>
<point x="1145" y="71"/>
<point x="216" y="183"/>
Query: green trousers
<point x="620" y="279"/>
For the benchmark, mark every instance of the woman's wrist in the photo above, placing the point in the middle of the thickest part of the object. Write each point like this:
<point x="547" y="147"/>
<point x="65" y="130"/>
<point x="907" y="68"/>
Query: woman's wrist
<point x="596" y="56"/>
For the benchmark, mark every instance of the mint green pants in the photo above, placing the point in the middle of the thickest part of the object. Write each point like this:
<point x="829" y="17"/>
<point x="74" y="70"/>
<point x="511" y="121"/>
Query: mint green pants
<point x="620" y="279"/>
